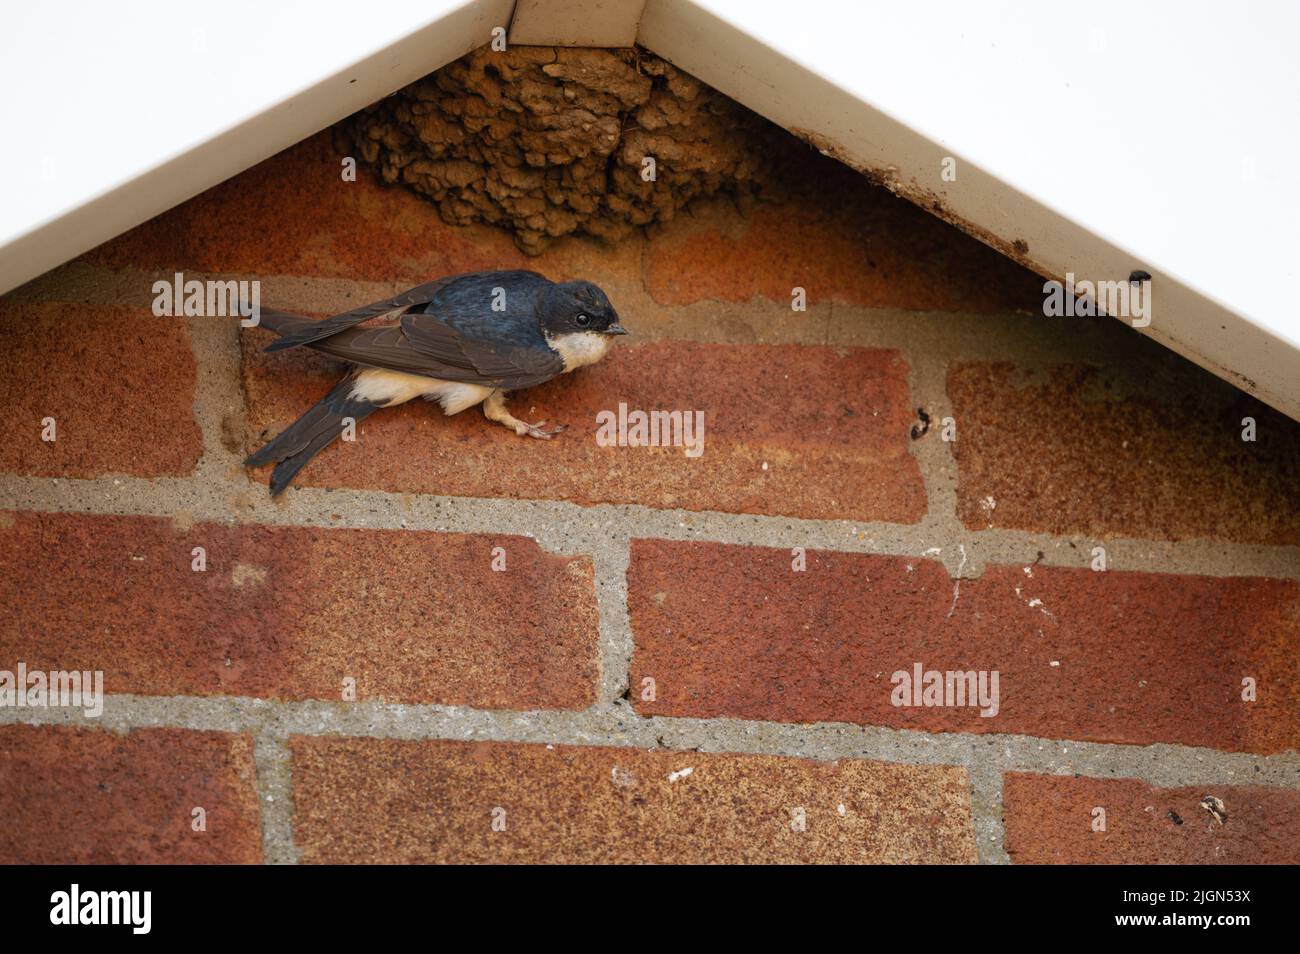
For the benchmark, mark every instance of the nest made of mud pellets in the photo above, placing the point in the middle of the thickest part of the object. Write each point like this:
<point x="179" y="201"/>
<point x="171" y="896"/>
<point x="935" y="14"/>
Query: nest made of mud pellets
<point x="551" y="141"/>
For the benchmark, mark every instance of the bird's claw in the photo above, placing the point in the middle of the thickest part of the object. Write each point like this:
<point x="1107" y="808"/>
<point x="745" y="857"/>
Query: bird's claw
<point x="538" y="430"/>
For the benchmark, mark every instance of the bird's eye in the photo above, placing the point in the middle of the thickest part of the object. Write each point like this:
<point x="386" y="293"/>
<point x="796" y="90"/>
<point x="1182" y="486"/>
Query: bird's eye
<point x="583" y="321"/>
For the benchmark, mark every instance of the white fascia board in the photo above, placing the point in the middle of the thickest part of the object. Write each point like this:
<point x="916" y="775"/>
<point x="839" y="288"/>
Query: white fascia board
<point x="120" y="111"/>
<point x="1105" y="137"/>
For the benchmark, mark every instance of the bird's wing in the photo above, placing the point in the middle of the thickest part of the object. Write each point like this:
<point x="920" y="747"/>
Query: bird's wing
<point x="487" y="323"/>
<point x="390" y="307"/>
<point x="427" y="345"/>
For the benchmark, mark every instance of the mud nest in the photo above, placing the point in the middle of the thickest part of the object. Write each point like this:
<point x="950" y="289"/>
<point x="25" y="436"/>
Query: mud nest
<point x="548" y="142"/>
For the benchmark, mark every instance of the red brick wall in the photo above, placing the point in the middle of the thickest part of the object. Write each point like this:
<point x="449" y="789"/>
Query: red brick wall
<point x="650" y="679"/>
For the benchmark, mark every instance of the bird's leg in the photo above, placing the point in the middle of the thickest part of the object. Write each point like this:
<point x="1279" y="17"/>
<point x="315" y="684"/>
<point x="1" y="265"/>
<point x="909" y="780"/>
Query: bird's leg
<point x="494" y="407"/>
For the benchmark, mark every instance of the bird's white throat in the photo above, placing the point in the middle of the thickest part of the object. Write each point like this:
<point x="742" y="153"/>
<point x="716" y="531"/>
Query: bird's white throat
<point x="579" y="348"/>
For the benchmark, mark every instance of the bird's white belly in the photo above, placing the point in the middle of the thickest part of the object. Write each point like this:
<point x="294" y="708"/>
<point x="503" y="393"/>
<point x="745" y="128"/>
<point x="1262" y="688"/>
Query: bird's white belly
<point x="389" y="388"/>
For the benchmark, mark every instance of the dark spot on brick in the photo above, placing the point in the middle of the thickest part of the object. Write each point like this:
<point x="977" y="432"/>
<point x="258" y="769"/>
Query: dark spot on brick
<point x="919" y="430"/>
<point x="232" y="433"/>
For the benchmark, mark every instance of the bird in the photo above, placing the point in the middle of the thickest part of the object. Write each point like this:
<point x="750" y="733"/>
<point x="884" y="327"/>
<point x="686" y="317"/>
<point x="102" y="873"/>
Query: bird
<point x="461" y="340"/>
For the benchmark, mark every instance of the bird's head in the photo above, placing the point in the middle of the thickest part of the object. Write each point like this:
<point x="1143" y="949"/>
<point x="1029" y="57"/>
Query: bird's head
<point x="578" y="307"/>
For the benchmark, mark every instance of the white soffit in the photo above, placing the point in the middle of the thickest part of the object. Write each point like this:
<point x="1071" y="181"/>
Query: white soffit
<point x="120" y="111"/>
<point x="1106" y="137"/>
<point x="1095" y="139"/>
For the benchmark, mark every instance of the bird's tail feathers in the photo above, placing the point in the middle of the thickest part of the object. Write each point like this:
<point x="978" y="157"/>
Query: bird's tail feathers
<point x="310" y="434"/>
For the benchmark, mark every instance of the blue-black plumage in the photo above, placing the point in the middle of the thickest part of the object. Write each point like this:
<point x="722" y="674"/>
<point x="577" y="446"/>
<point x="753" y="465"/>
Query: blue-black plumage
<point x="462" y="340"/>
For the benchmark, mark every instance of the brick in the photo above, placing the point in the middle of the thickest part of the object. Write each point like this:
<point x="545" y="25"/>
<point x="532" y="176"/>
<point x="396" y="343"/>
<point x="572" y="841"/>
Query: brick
<point x="1049" y="820"/>
<point x="89" y="797"/>
<point x="1105" y="657"/>
<point x="118" y="382"/>
<point x="840" y="238"/>
<point x="831" y="426"/>
<point x="294" y="215"/>
<point x="1073" y="449"/>
<point x="289" y="612"/>
<point x="396" y="801"/>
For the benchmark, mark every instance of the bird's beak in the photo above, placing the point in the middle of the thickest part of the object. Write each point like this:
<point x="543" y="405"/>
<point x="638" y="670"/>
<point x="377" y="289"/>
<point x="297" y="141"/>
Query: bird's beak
<point x="616" y="329"/>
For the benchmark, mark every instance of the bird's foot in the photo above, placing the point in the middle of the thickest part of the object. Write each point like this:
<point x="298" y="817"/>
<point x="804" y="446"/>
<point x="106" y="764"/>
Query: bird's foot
<point x="537" y="430"/>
